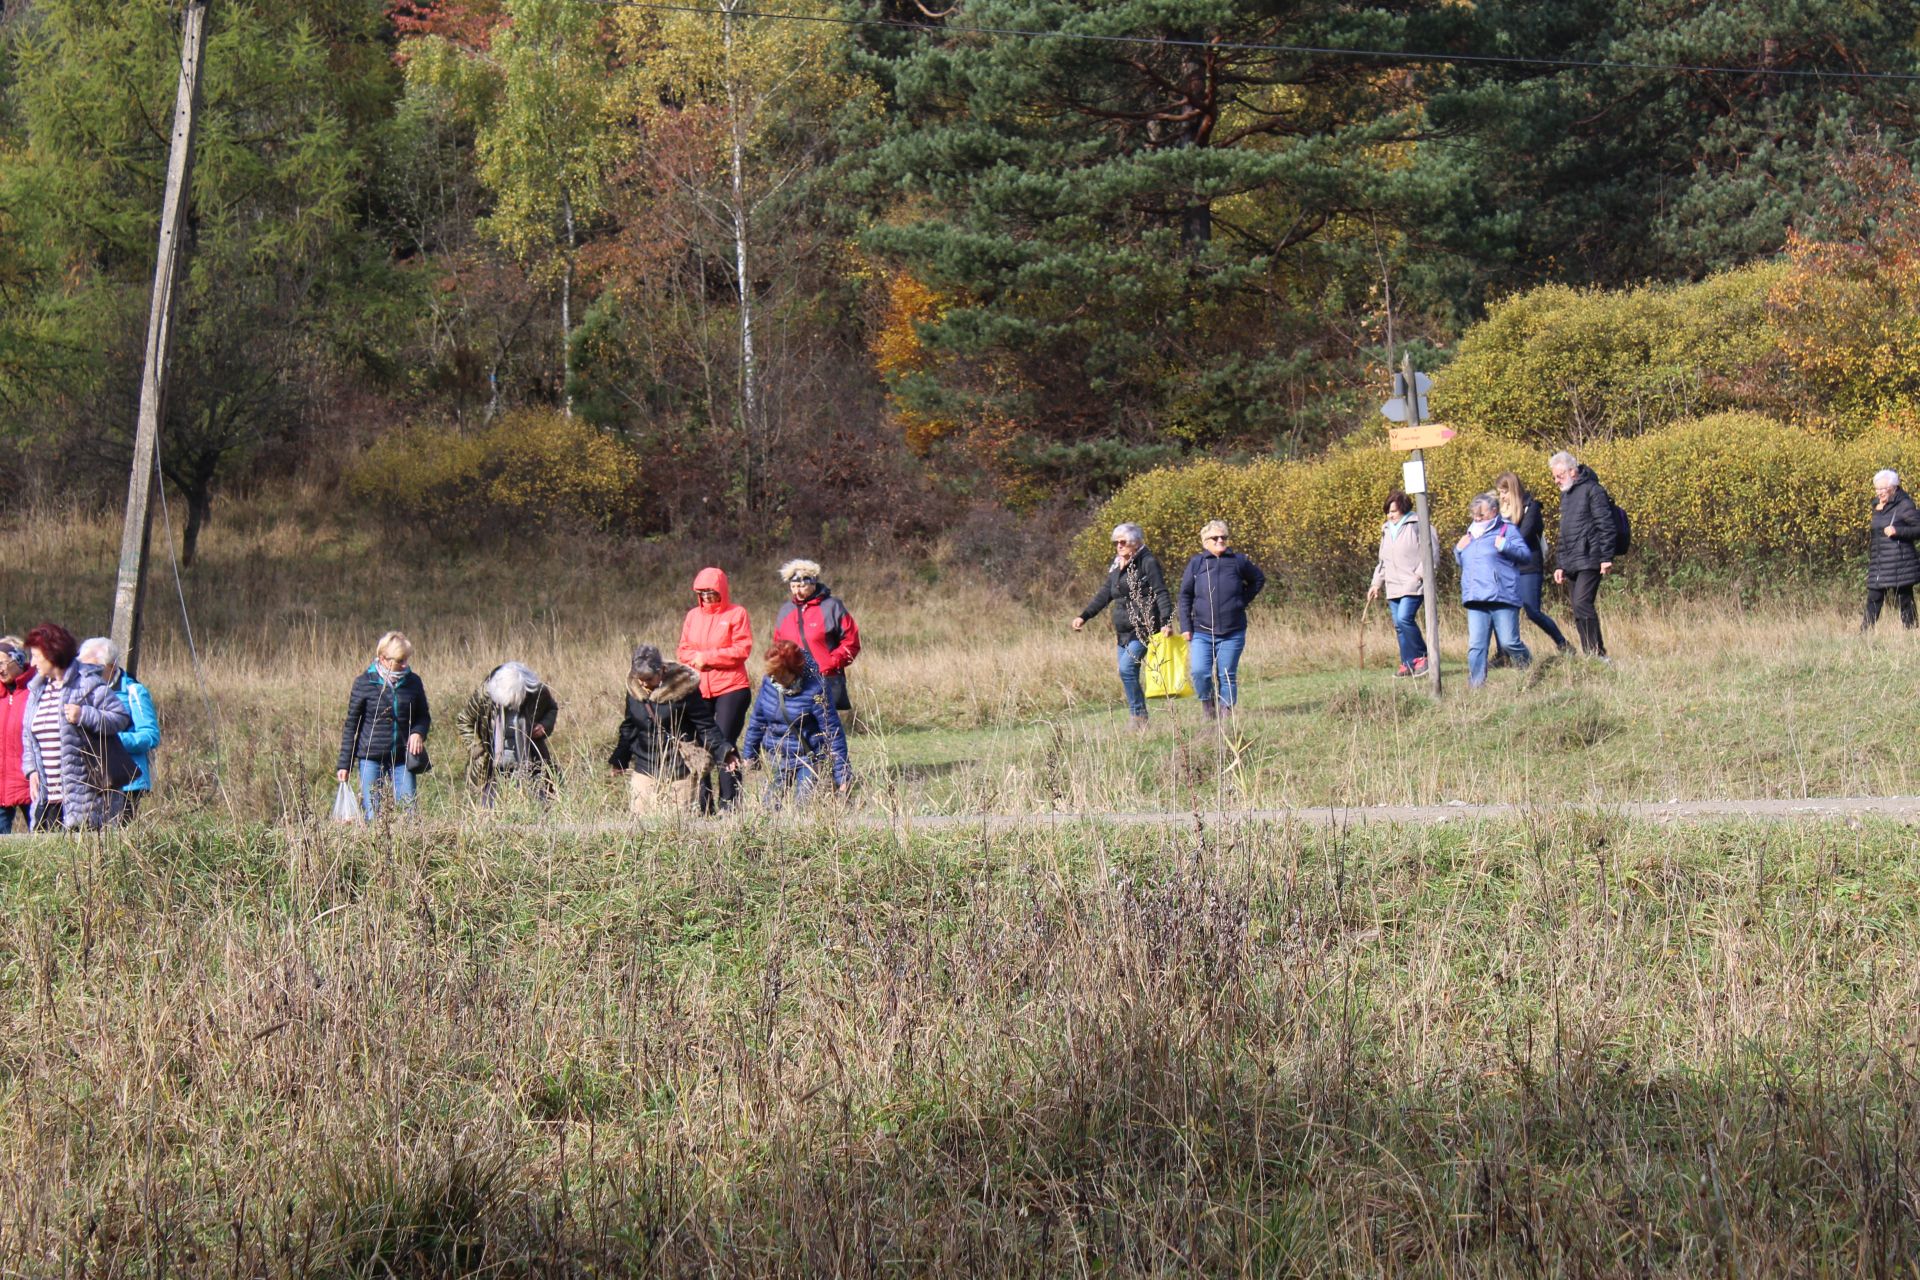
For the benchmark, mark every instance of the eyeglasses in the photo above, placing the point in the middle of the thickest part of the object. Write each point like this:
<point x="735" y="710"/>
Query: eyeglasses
<point x="801" y="582"/>
<point x="704" y="594"/>
<point x="1215" y="537"/>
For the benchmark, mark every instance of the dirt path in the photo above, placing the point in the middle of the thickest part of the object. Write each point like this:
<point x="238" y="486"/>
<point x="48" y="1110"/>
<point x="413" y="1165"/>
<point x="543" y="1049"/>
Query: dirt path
<point x="1818" y="808"/>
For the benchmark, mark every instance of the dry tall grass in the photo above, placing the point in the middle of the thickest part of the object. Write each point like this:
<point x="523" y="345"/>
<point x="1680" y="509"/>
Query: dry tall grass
<point x="1563" y="1046"/>
<point x="972" y="699"/>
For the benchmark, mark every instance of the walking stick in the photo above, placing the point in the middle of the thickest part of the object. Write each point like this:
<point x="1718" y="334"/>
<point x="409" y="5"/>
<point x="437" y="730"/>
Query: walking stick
<point x="1365" y="604"/>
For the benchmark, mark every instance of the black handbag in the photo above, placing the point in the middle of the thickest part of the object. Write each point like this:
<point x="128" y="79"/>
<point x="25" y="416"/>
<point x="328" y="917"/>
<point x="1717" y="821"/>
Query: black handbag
<point x="417" y="761"/>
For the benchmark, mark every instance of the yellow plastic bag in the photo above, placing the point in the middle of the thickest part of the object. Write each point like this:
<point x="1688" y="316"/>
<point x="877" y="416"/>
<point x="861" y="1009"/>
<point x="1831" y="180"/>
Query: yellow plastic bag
<point x="1163" y="672"/>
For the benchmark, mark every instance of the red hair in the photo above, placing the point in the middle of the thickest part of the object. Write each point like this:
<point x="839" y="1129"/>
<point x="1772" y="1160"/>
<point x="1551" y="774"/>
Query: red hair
<point x="784" y="660"/>
<point x="55" y="643"/>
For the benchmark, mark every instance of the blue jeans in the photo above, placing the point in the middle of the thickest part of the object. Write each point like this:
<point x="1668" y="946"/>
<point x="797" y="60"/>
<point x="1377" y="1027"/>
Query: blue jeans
<point x="1129" y="656"/>
<point x="1501" y="619"/>
<point x="374" y="777"/>
<point x="1406" y="626"/>
<point x="793" y="777"/>
<point x="1221" y="653"/>
<point x="1530" y="585"/>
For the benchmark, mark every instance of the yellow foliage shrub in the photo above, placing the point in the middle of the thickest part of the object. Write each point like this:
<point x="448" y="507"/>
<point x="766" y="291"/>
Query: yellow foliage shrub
<point x="533" y="468"/>
<point x="1733" y="495"/>
<point x="1555" y="364"/>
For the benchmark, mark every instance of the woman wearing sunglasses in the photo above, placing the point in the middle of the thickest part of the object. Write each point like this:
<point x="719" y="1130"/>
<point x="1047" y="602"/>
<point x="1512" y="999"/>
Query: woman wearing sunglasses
<point x="1215" y="591"/>
<point x="716" y="640"/>
<point x="814" y="619"/>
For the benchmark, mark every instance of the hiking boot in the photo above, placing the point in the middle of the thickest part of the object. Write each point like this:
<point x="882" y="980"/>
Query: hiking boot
<point x="1137" y="723"/>
<point x="1419" y="667"/>
<point x="1403" y="671"/>
<point x="1206" y="709"/>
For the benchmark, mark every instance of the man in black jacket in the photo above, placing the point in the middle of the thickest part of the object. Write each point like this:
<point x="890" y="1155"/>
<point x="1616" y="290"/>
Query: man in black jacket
<point x="1587" y="544"/>
<point x="1142" y="605"/>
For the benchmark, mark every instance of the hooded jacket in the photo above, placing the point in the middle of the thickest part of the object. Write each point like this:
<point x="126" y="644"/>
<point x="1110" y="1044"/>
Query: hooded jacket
<point x="13" y="725"/>
<point x="1215" y="592"/>
<point x="661" y="721"/>
<point x="143" y="735"/>
<point x="717" y="639"/>
<point x="797" y="724"/>
<point x="1137" y="590"/>
<point x="381" y="717"/>
<point x="1893" y="562"/>
<point x="1490" y="572"/>
<point x="1587" y="531"/>
<point x="821" y="625"/>
<point x="82" y="753"/>
<point x="1399" y="569"/>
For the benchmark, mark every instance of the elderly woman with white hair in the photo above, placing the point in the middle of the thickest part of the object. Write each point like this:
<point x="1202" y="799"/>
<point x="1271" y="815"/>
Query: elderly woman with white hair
<point x="1215" y="591"/>
<point x="143" y="735"/>
<point x="507" y="726"/>
<point x="814" y="619"/>
<point x="1137" y="589"/>
<point x="1892" y="562"/>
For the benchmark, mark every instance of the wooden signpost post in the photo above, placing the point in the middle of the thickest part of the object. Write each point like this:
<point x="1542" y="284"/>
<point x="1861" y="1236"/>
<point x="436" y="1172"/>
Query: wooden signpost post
<point x="1409" y="406"/>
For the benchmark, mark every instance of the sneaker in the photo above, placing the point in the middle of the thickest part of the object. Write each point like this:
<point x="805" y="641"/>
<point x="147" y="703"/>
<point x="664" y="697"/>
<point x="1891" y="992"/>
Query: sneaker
<point x="1402" y="671"/>
<point x="1419" y="667"/>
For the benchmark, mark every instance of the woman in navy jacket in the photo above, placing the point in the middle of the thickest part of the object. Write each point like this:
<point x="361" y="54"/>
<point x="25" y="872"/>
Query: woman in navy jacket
<point x="1492" y="555"/>
<point x="794" y="724"/>
<point x="1215" y="591"/>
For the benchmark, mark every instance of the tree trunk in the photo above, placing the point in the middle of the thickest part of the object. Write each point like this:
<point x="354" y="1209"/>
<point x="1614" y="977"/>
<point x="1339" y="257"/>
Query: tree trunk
<point x="199" y="502"/>
<point x="1196" y="80"/>
<point x="740" y="216"/>
<point x="566" y="310"/>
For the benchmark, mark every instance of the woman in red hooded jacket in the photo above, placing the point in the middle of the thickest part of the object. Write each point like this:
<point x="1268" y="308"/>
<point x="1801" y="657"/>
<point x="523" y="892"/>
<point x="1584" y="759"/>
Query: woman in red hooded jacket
<point x="716" y="639"/>
<point x="16" y="799"/>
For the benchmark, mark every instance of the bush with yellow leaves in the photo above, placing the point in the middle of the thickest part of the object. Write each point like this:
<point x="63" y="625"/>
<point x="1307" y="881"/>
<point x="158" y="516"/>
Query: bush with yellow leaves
<point x="532" y="468"/>
<point x="1555" y="365"/>
<point x="1729" y="496"/>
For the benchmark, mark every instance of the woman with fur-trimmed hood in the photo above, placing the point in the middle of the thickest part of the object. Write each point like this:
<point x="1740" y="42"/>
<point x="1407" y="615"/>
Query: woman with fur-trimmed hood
<point x="668" y="740"/>
<point x="814" y="619"/>
<point x="507" y="726"/>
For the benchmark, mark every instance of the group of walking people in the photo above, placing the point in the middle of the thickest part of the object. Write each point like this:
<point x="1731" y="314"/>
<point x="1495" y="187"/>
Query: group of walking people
<point x="692" y="723"/>
<point x="77" y="733"/>
<point x="1502" y="557"/>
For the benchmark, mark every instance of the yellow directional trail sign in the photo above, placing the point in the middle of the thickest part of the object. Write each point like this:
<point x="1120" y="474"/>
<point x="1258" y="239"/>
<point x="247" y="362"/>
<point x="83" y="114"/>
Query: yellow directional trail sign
<point x="1428" y="435"/>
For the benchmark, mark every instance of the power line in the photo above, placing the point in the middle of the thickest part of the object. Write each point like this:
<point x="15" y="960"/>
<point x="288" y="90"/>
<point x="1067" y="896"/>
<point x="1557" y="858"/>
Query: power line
<point x="1242" y="46"/>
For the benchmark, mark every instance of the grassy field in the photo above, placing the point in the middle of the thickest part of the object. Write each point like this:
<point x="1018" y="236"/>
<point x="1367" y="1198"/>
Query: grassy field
<point x="238" y="1041"/>
<point x="972" y="700"/>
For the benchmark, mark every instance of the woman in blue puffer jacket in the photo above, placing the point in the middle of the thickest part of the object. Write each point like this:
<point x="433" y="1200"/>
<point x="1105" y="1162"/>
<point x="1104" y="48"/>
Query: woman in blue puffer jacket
<point x="1492" y="556"/>
<point x="794" y="723"/>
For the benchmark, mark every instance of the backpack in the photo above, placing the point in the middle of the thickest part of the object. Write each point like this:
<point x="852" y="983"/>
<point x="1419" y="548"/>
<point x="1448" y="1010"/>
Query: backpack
<point x="1622" y="530"/>
<point x="111" y="766"/>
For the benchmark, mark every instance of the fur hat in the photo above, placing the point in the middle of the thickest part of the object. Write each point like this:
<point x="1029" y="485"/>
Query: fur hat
<point x="800" y="569"/>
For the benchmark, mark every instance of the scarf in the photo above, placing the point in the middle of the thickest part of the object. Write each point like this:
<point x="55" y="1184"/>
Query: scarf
<point x="1391" y="527"/>
<point x="1479" y="527"/>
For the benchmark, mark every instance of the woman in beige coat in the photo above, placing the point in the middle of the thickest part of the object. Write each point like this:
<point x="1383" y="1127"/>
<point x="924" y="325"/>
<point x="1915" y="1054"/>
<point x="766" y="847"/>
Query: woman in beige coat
<point x="1401" y="574"/>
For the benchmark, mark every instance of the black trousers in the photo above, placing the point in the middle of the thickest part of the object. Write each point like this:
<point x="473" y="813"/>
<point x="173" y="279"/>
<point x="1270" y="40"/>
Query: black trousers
<point x="1583" y="587"/>
<point x="1877" y="595"/>
<point x="730" y="717"/>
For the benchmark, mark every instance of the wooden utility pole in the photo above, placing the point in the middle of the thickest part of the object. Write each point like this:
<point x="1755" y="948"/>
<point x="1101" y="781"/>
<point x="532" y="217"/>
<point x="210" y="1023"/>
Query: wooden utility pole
<point x="1414" y="402"/>
<point x="129" y="596"/>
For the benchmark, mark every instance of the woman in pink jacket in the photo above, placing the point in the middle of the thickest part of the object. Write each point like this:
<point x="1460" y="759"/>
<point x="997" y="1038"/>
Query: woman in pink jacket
<point x="716" y="640"/>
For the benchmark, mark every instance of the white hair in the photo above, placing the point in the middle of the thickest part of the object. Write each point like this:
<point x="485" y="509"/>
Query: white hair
<point x="1563" y="459"/>
<point x="104" y="652"/>
<point x="1130" y="532"/>
<point x="800" y="569"/>
<point x="1212" y="527"/>
<point x="1885" y="478"/>
<point x="510" y="683"/>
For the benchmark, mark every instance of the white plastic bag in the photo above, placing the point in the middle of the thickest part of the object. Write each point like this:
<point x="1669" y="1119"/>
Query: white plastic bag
<point x="346" y="805"/>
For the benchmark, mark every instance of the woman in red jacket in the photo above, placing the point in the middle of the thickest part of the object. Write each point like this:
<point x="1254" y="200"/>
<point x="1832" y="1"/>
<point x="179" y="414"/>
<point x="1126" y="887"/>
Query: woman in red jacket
<point x="716" y="639"/>
<point x="15" y="796"/>
<point x="814" y="619"/>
